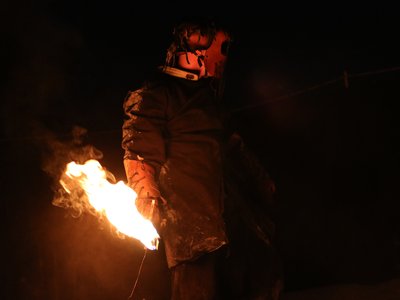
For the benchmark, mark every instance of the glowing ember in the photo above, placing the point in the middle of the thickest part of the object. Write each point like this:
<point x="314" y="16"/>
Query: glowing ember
<point x="115" y="201"/>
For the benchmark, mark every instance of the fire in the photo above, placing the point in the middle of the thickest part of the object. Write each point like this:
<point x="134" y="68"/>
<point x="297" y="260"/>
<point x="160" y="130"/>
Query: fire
<point x="115" y="201"/>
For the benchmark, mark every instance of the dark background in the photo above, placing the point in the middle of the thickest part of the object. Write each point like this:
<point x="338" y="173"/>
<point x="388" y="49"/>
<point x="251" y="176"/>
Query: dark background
<point x="330" y="143"/>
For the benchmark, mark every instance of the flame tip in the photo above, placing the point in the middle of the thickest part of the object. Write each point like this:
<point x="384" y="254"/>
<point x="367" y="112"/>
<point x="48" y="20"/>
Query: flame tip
<point x="114" y="200"/>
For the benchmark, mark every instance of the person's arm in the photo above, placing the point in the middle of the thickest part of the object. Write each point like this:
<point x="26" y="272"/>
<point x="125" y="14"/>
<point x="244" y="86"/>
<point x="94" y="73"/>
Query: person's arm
<point x="144" y="146"/>
<point x="250" y="167"/>
<point x="250" y="190"/>
<point x="141" y="178"/>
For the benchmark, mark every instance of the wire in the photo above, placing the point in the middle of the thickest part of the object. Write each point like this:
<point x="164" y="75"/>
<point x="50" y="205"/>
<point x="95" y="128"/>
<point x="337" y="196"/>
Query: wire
<point x="315" y="87"/>
<point x="287" y="96"/>
<point x="242" y="108"/>
<point x="138" y="275"/>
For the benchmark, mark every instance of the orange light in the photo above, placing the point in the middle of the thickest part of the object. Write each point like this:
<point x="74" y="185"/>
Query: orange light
<point x="115" y="201"/>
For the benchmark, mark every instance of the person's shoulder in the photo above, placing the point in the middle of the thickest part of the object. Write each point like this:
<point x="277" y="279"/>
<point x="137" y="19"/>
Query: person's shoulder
<point x="152" y="82"/>
<point x="153" y="87"/>
<point x="157" y="81"/>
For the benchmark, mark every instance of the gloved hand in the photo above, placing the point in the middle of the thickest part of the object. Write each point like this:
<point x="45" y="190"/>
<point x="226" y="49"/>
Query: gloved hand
<point x="141" y="179"/>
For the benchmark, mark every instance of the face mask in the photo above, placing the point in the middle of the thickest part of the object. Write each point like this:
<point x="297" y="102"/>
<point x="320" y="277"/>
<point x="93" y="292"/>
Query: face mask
<point x="216" y="55"/>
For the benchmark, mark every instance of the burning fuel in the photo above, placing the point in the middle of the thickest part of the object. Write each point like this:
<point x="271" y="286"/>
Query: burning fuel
<point x="115" y="201"/>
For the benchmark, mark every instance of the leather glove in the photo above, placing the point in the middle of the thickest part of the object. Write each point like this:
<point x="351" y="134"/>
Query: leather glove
<point x="142" y="180"/>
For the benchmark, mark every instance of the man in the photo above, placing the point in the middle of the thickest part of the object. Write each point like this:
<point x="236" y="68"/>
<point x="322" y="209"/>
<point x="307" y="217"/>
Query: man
<point x="175" y="153"/>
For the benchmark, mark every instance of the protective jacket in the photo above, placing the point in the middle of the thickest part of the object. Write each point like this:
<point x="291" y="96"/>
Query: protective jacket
<point x="174" y="125"/>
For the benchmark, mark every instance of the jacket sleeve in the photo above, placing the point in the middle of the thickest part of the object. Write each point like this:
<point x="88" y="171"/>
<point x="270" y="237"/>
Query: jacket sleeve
<point x="250" y="192"/>
<point x="250" y="170"/>
<point x="143" y="128"/>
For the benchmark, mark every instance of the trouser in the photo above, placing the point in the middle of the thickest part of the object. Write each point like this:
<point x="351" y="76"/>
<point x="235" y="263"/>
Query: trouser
<point x="196" y="280"/>
<point x="223" y="275"/>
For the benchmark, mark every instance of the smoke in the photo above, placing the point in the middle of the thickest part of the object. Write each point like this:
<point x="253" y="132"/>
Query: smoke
<point x="56" y="155"/>
<point x="48" y="84"/>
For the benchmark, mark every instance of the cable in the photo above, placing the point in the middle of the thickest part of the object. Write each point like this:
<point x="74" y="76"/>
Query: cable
<point x="287" y="96"/>
<point x="315" y="87"/>
<point x="277" y="99"/>
<point x="138" y="275"/>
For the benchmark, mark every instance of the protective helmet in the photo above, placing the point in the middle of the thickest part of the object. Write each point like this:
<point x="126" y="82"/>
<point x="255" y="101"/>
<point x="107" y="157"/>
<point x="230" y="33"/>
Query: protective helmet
<point x="204" y="39"/>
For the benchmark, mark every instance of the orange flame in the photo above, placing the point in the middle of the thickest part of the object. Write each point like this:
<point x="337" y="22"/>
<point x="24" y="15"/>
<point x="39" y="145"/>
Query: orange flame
<point x="115" y="201"/>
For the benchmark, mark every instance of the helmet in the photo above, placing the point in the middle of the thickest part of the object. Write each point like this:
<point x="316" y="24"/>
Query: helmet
<point x="209" y="43"/>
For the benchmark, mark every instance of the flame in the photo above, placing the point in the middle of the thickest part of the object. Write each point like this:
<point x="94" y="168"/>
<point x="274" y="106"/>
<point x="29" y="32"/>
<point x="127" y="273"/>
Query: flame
<point x="115" y="201"/>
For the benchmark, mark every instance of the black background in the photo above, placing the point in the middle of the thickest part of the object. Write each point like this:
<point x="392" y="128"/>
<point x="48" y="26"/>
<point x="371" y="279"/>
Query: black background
<point x="331" y="144"/>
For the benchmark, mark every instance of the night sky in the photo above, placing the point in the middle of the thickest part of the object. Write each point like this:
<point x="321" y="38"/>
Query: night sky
<point x="330" y="143"/>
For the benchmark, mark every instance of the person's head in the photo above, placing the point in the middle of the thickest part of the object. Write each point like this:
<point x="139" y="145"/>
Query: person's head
<point x="199" y="46"/>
